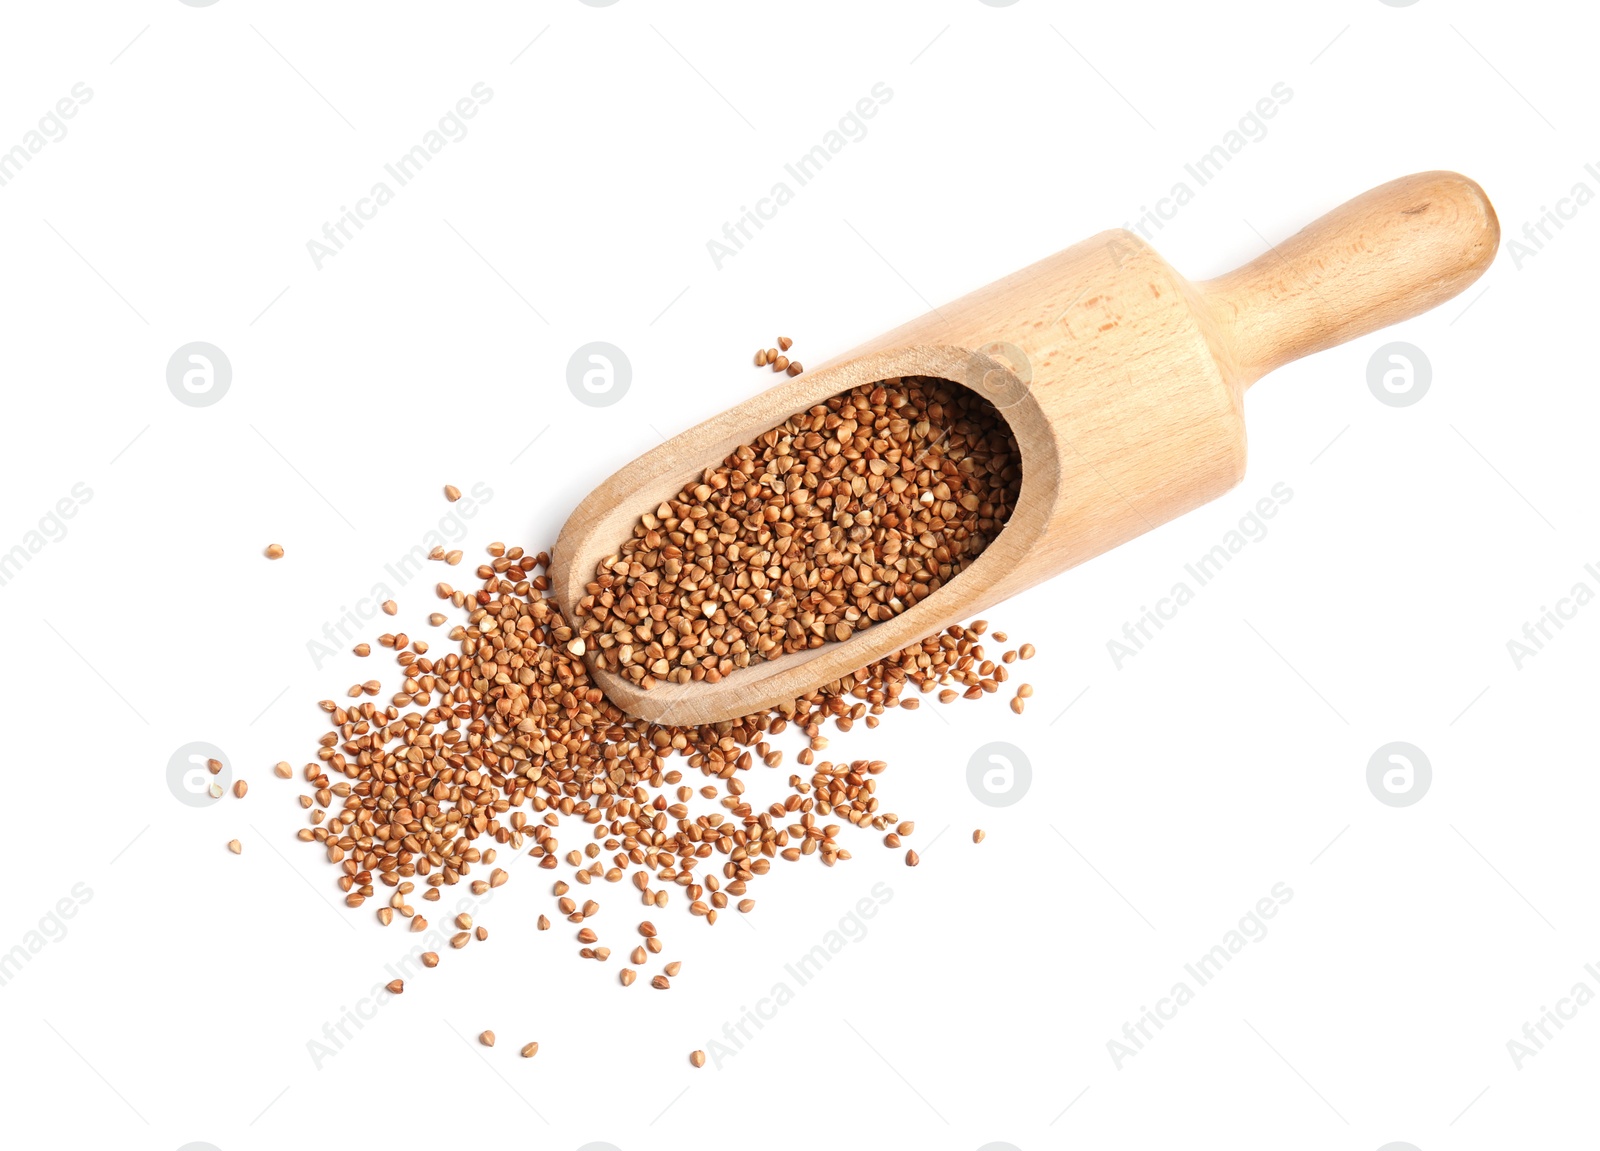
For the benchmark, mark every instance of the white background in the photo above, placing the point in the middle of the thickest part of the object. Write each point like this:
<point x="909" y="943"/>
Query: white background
<point x="1230" y="755"/>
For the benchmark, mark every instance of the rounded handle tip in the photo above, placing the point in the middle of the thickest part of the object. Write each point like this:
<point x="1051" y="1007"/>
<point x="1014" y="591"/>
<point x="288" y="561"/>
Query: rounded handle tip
<point x="1389" y="254"/>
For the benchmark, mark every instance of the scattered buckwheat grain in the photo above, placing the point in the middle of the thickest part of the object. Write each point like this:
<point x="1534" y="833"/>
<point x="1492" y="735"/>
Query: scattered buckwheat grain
<point x="505" y="744"/>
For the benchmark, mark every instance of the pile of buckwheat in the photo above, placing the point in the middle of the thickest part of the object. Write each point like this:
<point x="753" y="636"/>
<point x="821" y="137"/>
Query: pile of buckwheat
<point x="847" y="513"/>
<point x="842" y="516"/>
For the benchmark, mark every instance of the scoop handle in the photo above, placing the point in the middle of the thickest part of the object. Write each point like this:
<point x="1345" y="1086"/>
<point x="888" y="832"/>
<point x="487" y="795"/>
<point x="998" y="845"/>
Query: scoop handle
<point x="1385" y="256"/>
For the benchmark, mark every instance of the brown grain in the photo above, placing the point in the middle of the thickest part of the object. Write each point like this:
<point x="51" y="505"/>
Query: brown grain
<point x="503" y="743"/>
<point x="843" y="516"/>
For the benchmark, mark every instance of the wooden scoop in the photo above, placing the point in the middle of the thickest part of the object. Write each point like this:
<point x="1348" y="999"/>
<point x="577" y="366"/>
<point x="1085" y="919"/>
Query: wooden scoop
<point x="1122" y="382"/>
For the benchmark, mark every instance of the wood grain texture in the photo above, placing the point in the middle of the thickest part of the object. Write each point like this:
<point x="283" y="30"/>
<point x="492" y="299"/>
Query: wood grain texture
<point x="1121" y="381"/>
<point x="1389" y="254"/>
